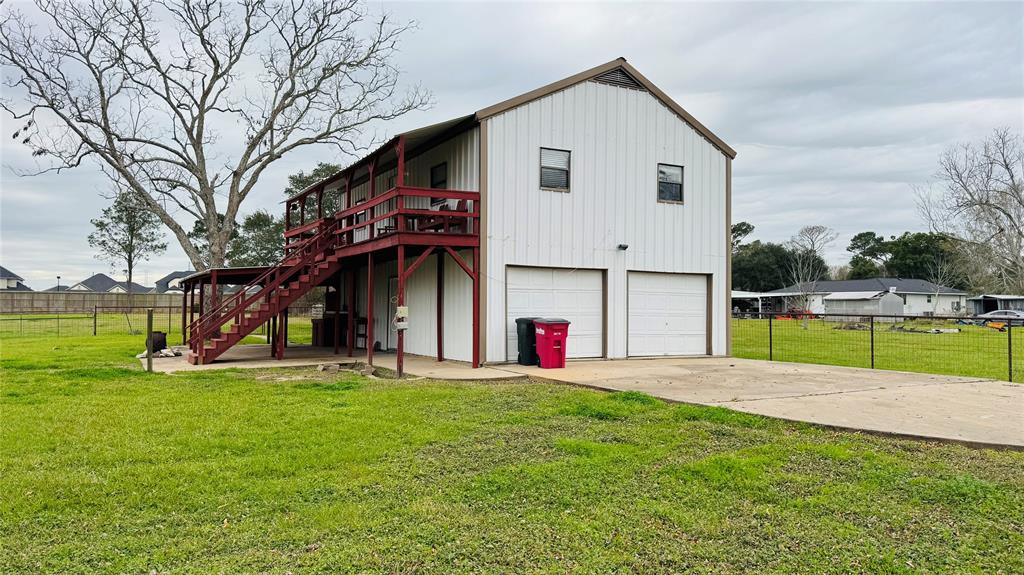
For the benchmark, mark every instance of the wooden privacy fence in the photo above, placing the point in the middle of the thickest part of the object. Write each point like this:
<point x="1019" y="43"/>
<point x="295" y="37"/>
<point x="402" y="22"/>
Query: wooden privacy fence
<point x="70" y="301"/>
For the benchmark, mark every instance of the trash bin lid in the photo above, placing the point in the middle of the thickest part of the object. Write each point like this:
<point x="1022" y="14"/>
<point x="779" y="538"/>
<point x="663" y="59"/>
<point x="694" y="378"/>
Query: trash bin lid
<point x="526" y="320"/>
<point x="551" y="320"/>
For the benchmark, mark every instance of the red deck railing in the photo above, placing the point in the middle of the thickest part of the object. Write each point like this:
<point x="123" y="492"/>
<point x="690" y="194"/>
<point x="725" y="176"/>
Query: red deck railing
<point x="400" y="209"/>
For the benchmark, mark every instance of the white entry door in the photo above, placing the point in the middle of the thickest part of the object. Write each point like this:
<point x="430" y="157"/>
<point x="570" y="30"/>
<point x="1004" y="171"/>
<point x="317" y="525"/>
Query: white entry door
<point x="572" y="294"/>
<point x="667" y="314"/>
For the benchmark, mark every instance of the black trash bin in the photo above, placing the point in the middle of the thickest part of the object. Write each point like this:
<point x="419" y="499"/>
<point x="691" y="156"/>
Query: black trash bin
<point x="159" y="341"/>
<point x="527" y="338"/>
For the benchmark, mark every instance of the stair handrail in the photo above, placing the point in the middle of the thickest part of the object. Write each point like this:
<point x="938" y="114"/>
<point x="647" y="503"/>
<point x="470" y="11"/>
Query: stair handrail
<point x="202" y="324"/>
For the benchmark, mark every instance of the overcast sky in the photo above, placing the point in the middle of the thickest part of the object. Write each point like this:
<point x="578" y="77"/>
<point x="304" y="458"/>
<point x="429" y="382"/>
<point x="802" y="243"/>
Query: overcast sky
<point x="836" y="109"/>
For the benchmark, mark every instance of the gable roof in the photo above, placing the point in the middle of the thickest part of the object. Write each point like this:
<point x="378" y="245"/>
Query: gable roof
<point x="163" y="284"/>
<point x="6" y="274"/>
<point x="618" y="72"/>
<point x="105" y="283"/>
<point x="622" y="71"/>
<point x="901" y="285"/>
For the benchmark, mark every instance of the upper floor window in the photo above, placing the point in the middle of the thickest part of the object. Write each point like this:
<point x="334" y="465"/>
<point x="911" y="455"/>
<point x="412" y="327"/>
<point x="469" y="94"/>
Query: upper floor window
<point x="554" y="169"/>
<point x="439" y="180"/>
<point x="670" y="183"/>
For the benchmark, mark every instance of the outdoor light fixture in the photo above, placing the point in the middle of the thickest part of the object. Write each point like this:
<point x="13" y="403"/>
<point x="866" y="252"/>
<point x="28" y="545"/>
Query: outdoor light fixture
<point x="623" y="247"/>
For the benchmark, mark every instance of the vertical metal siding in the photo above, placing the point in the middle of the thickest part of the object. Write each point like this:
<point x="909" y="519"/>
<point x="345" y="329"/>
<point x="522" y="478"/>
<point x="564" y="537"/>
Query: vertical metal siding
<point x="617" y="137"/>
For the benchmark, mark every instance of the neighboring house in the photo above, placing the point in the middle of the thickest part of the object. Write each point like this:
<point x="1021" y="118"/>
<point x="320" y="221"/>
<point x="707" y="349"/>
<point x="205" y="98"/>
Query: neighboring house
<point x="919" y="297"/>
<point x="991" y="302"/>
<point x="597" y="199"/>
<point x="171" y="282"/>
<point x="102" y="283"/>
<point x="10" y="281"/>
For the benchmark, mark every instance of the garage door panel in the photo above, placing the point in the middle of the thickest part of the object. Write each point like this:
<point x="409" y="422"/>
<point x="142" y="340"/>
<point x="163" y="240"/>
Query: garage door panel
<point x="667" y="314"/>
<point x="576" y="295"/>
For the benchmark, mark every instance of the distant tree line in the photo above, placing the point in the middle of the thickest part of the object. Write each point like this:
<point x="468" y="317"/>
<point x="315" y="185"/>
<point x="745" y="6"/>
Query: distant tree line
<point x="765" y="266"/>
<point x="974" y="213"/>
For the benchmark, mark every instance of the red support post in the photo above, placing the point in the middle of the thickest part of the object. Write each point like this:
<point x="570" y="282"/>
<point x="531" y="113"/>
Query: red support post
<point x="337" y="316"/>
<point x="369" y="308"/>
<point x="476" y="307"/>
<point x="191" y="307"/>
<point x="184" y="317"/>
<point x="351" y="219"/>
<point x="399" y="182"/>
<point x="351" y="310"/>
<point x="440" y="306"/>
<point x="400" y="360"/>
<point x="320" y="203"/>
<point x="279" y="337"/>
<point x="272" y="335"/>
<point x="373" y="192"/>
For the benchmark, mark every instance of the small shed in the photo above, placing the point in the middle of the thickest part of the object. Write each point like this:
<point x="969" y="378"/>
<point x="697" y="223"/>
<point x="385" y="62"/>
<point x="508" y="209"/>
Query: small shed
<point x="991" y="302"/>
<point x="884" y="303"/>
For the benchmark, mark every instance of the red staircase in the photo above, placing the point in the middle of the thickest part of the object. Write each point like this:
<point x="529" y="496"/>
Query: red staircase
<point x="305" y="266"/>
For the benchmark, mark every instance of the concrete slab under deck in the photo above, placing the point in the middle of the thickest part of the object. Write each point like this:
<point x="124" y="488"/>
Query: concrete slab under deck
<point x="257" y="356"/>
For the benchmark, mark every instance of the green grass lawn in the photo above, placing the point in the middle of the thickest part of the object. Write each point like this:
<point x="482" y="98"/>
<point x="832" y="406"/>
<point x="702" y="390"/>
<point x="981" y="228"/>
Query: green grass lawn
<point x="974" y="352"/>
<point x="107" y="469"/>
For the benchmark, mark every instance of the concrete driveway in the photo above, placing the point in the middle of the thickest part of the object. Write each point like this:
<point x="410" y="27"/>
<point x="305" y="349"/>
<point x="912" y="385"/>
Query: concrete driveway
<point x="969" y="410"/>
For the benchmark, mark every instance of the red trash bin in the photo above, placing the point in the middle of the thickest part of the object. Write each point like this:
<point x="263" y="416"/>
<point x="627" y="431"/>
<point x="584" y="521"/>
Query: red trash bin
<point x="551" y="336"/>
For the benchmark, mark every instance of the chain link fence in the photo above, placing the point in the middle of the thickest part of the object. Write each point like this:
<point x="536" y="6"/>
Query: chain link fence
<point x="966" y="346"/>
<point x="108" y="320"/>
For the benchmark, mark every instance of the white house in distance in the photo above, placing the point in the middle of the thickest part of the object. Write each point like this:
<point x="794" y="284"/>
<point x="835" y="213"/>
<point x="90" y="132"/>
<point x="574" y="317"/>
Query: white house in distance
<point x="596" y="198"/>
<point x="919" y="297"/>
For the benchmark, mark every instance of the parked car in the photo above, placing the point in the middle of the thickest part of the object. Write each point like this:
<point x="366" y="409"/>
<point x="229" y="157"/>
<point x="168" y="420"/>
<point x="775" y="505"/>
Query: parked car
<point x="1010" y="316"/>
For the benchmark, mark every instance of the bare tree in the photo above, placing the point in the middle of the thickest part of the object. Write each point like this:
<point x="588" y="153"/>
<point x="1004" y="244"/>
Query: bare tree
<point x="807" y="262"/>
<point x="980" y="205"/>
<point x="942" y="272"/>
<point x="188" y="102"/>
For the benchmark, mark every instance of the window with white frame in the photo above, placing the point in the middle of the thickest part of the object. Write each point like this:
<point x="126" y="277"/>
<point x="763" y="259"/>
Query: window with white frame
<point x="554" y="169"/>
<point x="670" y="183"/>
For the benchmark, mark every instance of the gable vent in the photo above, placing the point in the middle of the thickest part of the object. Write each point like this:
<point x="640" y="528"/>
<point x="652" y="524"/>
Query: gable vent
<point x="619" y="77"/>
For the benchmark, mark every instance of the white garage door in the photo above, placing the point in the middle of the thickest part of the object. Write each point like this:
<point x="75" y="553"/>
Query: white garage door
<point x="576" y="295"/>
<point x="667" y="314"/>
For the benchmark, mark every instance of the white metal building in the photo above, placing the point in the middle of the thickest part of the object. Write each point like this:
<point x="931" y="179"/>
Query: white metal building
<point x="599" y="199"/>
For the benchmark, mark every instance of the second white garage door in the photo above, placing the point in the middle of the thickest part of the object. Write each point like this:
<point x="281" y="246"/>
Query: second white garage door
<point x="667" y="314"/>
<point x="573" y="294"/>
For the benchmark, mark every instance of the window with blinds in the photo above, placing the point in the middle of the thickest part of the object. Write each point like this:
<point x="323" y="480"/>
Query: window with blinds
<point x="554" y="169"/>
<point x="670" y="183"/>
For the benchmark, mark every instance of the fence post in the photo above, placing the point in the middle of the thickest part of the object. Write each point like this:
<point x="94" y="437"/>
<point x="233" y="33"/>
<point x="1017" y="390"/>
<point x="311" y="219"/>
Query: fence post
<point x="94" y="320"/>
<point x="58" y="324"/>
<point x="1009" y="350"/>
<point x="149" y="340"/>
<point x="872" y="323"/>
<point x="770" y="354"/>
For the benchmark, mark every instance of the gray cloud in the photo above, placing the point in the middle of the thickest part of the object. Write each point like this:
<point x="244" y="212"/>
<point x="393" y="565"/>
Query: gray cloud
<point x="836" y="109"/>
